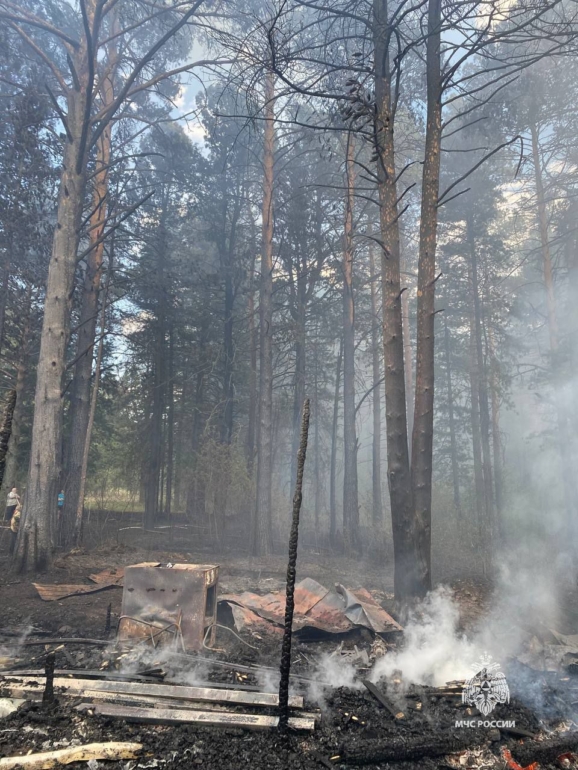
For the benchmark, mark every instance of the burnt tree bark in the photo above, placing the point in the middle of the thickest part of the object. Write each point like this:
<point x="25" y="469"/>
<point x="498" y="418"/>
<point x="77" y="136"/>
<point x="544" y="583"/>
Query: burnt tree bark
<point x="570" y="494"/>
<point x="482" y="389"/>
<point x="85" y="340"/>
<point x="262" y="519"/>
<point x="78" y="522"/>
<point x="398" y="473"/>
<point x="154" y="462"/>
<point x="452" y="425"/>
<point x="377" y="505"/>
<point x="422" y="441"/>
<point x="333" y="460"/>
<point x="35" y="539"/>
<point x="350" y="490"/>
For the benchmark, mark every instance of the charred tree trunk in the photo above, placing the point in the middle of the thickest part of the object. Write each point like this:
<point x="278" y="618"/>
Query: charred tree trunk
<point x="333" y="462"/>
<point x="37" y="524"/>
<point x="228" y="356"/>
<point x="496" y="436"/>
<point x="570" y="494"/>
<point x="482" y="388"/>
<point x="350" y="492"/>
<point x="78" y="523"/>
<point x="262" y="522"/>
<point x="316" y="441"/>
<point x="408" y="359"/>
<point x="398" y="469"/>
<point x="476" y="440"/>
<point x="422" y="442"/>
<point x="6" y="267"/>
<point x="6" y="430"/>
<point x="153" y="484"/>
<point x="170" y="426"/>
<point x="84" y="352"/>
<point x="300" y="365"/>
<point x="11" y="470"/>
<point x="197" y="487"/>
<point x="452" y="425"/>
<point x="377" y="507"/>
<point x="252" y="416"/>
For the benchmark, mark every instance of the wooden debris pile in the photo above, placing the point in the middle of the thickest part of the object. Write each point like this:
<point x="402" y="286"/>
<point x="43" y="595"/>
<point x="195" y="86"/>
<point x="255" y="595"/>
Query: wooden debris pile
<point x="155" y="703"/>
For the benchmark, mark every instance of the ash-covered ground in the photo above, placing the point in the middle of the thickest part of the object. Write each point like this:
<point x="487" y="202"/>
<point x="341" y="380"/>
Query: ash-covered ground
<point x="353" y="729"/>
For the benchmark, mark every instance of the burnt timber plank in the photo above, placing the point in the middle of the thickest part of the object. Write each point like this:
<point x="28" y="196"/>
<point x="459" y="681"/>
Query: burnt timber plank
<point x="177" y="692"/>
<point x="117" y="676"/>
<point x="376" y="692"/>
<point x="210" y="718"/>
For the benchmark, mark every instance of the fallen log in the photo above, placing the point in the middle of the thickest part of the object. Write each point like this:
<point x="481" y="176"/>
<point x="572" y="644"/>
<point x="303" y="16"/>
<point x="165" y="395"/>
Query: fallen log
<point x="405" y="750"/>
<point x="159" y="716"/>
<point x="94" y="751"/>
<point x="544" y="752"/>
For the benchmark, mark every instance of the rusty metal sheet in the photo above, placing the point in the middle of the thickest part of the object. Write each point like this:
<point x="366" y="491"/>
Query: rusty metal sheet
<point x="308" y="593"/>
<point x="270" y="606"/>
<point x="246" y="618"/>
<point x="316" y="607"/>
<point x="109" y="576"/>
<point x="362" y="610"/>
<point x="327" y="615"/>
<point x="56" y="592"/>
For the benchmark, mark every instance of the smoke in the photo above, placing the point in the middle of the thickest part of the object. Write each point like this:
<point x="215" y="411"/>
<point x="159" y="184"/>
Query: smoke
<point x="330" y="672"/>
<point x="10" y="651"/>
<point x="176" y="669"/>
<point x="435" y="650"/>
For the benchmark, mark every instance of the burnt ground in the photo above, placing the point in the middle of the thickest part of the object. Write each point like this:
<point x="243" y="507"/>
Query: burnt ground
<point x="354" y="728"/>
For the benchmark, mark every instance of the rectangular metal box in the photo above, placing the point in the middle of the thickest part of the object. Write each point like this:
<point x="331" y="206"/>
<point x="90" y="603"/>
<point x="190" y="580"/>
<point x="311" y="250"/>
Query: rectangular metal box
<point x="170" y="605"/>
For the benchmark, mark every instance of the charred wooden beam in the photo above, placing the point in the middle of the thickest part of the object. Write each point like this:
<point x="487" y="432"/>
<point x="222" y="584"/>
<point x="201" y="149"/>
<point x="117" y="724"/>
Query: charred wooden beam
<point x="405" y="750"/>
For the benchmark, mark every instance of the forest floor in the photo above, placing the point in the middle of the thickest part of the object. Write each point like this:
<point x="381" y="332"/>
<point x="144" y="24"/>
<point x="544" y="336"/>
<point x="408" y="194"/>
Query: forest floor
<point x="352" y="724"/>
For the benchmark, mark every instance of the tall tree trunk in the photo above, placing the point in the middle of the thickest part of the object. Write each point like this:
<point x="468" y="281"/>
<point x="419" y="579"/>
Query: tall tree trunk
<point x="228" y="356"/>
<point x="84" y="352"/>
<point x="570" y="493"/>
<point x="377" y="507"/>
<point x="252" y="415"/>
<point x="398" y="469"/>
<point x="4" y="290"/>
<point x="422" y="441"/>
<point x="155" y="435"/>
<point x="197" y="486"/>
<point x="408" y="358"/>
<point x="482" y="388"/>
<point x="300" y="365"/>
<point x="6" y="430"/>
<point x="262" y="522"/>
<point x="170" y="424"/>
<point x="496" y="437"/>
<point x="316" y="441"/>
<point x="452" y="425"/>
<point x="477" y="442"/>
<point x="78" y="522"/>
<point x="333" y="462"/>
<point x="350" y="492"/>
<point x="38" y="517"/>
<point x="11" y="470"/>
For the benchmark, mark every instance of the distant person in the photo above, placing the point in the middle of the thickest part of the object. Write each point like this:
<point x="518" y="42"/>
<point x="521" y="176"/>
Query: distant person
<point x="14" y="527"/>
<point x="60" y="500"/>
<point x="11" y="502"/>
